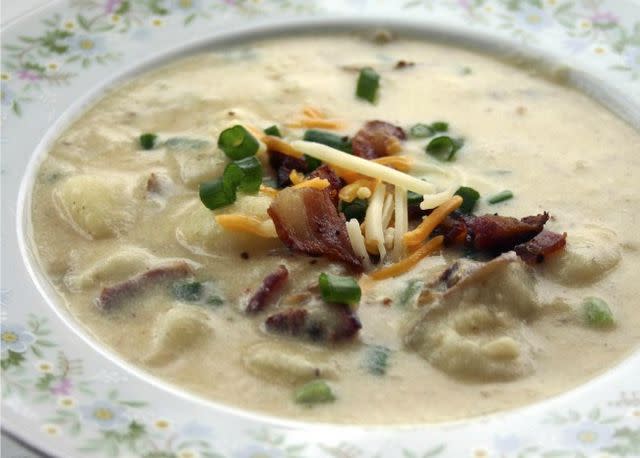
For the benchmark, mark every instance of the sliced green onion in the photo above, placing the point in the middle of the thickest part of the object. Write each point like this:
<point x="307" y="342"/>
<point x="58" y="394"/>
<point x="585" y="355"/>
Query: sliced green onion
<point x="377" y="359"/>
<point x="469" y="198"/>
<point x="356" y="209"/>
<point x="187" y="291"/>
<point x="597" y="313"/>
<point x="420" y="131"/>
<point x="237" y="143"/>
<point x="339" y="290"/>
<point x="328" y="138"/>
<point x="245" y="174"/>
<point x="442" y="148"/>
<point x="314" y="392"/>
<point x="148" y="141"/>
<point x="413" y="198"/>
<point x="215" y="300"/>
<point x="439" y="126"/>
<point x="312" y="163"/>
<point x="273" y="131"/>
<point x="215" y="194"/>
<point x="368" y="83"/>
<point x="500" y="197"/>
<point x="409" y="294"/>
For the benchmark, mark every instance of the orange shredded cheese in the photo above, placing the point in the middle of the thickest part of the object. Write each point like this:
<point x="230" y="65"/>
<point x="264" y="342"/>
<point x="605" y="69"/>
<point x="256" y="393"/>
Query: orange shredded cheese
<point x="296" y="177"/>
<point x="309" y="123"/>
<point x="347" y="175"/>
<point x="279" y="145"/>
<point x="428" y="224"/>
<point x="268" y="190"/>
<point x="316" y="183"/>
<point x="313" y="112"/>
<point x="410" y="261"/>
<point x="349" y="192"/>
<point x="402" y="163"/>
<point x="248" y="224"/>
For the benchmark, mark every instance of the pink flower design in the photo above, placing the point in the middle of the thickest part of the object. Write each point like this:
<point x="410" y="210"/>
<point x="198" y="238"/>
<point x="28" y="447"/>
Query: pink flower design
<point x="604" y="18"/>
<point x="111" y="5"/>
<point x="28" y="75"/>
<point x="63" y="387"/>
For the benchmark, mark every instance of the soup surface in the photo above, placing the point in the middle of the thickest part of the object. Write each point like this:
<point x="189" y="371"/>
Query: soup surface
<point x="159" y="278"/>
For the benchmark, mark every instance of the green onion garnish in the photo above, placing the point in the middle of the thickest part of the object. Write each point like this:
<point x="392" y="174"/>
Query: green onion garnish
<point x="237" y="143"/>
<point x="328" y="138"/>
<point x="420" y="131"/>
<point x="245" y="174"/>
<point x="215" y="194"/>
<point x="314" y="392"/>
<point x="312" y="163"/>
<point x="339" y="290"/>
<point x="368" y="83"/>
<point x="187" y="291"/>
<point x="148" y="141"/>
<point x="500" y="197"/>
<point x="413" y="198"/>
<point x="356" y="209"/>
<point x="442" y="148"/>
<point x="273" y="131"/>
<point x="469" y="198"/>
<point x="597" y="313"/>
<point x="440" y="126"/>
<point x="377" y="359"/>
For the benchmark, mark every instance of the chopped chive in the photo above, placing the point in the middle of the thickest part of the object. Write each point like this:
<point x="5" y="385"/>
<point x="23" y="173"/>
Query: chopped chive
<point x="442" y="148"/>
<point x="597" y="313"/>
<point x="312" y="163"/>
<point x="187" y="291"/>
<point x="237" y="143"/>
<point x="328" y="138"/>
<point x="356" y="209"/>
<point x="148" y="141"/>
<point x="215" y="300"/>
<point x="215" y="194"/>
<point x="439" y="126"/>
<point x="339" y="290"/>
<point x="368" y="83"/>
<point x="245" y="174"/>
<point x="377" y="359"/>
<point x="469" y="198"/>
<point x="500" y="197"/>
<point x="408" y="294"/>
<point x="314" y="392"/>
<point x="413" y="198"/>
<point x="421" y="131"/>
<point x="273" y="131"/>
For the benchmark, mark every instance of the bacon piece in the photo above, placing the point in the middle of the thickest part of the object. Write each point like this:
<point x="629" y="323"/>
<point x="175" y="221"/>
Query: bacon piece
<point x="376" y="139"/>
<point x="331" y="323"/>
<point x="498" y="234"/>
<point x="112" y="295"/>
<point x="335" y="182"/>
<point x="307" y="221"/>
<point x="543" y="244"/>
<point x="269" y="290"/>
<point x="283" y="165"/>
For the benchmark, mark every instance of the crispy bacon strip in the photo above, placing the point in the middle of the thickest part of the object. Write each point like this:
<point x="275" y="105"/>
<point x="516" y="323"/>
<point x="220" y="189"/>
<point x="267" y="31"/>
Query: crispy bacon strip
<point x="325" y="172"/>
<point x="498" y="234"/>
<point x="543" y="244"/>
<point x="270" y="289"/>
<point x="283" y="165"/>
<point x="377" y="139"/>
<point x="112" y="295"/>
<point x="307" y="221"/>
<point x="333" y="323"/>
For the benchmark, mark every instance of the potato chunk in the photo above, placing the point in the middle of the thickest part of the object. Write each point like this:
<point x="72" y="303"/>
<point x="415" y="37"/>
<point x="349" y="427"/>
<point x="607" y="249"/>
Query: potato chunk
<point x="96" y="206"/>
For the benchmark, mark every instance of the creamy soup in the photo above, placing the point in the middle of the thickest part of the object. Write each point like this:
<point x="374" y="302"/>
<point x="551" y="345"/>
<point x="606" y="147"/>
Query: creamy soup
<point x="424" y="315"/>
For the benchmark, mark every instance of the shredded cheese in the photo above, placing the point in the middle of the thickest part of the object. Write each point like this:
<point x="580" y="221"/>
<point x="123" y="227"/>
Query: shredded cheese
<point x="401" y="222"/>
<point x="363" y="166"/>
<point x="312" y="122"/>
<point x="373" y="228"/>
<point x="316" y="183"/>
<point x="387" y="211"/>
<point x="312" y="112"/>
<point x="429" y="223"/>
<point x="296" y="177"/>
<point x="402" y="163"/>
<point x="363" y="193"/>
<point x="248" y="224"/>
<point x="357" y="242"/>
<point x="268" y="190"/>
<point x="349" y="192"/>
<point x="279" y="145"/>
<point x="410" y="261"/>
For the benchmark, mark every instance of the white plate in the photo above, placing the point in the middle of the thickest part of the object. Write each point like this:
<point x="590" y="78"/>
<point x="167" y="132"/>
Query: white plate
<point x="55" y="378"/>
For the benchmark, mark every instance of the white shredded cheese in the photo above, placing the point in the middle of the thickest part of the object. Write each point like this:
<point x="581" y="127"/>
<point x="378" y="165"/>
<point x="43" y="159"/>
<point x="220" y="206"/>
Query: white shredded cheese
<point x="373" y="230"/>
<point x="387" y="210"/>
<point x="363" y="193"/>
<point x="401" y="222"/>
<point x="363" y="166"/>
<point x="389" y="237"/>
<point x="357" y="242"/>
